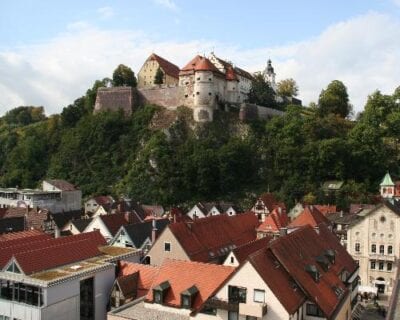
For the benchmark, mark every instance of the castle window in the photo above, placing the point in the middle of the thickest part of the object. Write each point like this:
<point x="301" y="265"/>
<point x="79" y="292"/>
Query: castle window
<point x="381" y="265"/>
<point x="373" y="265"/>
<point x="198" y="79"/>
<point x="209" y="93"/>
<point x="357" y="247"/>
<point x="197" y="93"/>
<point x="390" y="250"/>
<point x="186" y="95"/>
<point x="187" y="82"/>
<point x="373" y="248"/>
<point x="381" y="249"/>
<point x="389" y="266"/>
<point x="209" y="79"/>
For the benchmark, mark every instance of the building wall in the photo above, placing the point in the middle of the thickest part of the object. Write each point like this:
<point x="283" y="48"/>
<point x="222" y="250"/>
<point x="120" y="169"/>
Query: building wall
<point x="19" y="310"/>
<point x="195" y="211"/>
<point x="148" y="72"/>
<point x="97" y="224"/>
<point x="249" y="278"/>
<point x="164" y="96"/>
<point x="371" y="230"/>
<point x="157" y="253"/>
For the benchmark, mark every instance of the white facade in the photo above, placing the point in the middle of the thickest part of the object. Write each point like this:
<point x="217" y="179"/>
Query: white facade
<point x="98" y="224"/>
<point x="374" y="242"/>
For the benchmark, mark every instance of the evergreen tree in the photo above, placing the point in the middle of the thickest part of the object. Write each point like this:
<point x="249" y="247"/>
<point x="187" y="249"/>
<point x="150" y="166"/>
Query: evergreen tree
<point x="124" y="76"/>
<point x="159" y="77"/>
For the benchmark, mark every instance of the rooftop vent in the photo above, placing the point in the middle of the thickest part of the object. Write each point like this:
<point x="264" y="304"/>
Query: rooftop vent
<point x="159" y="292"/>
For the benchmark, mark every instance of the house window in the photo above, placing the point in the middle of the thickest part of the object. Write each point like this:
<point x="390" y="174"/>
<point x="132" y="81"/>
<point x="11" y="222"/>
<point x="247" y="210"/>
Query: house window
<point x="373" y="265"/>
<point x="357" y="247"/>
<point x="158" y="297"/>
<point x="209" y="93"/>
<point x="381" y="265"/>
<point x="198" y="79"/>
<point x="186" y="302"/>
<point x="313" y="310"/>
<point x="373" y="248"/>
<point x="232" y="315"/>
<point x="390" y="249"/>
<point x="382" y="249"/>
<point x="197" y="93"/>
<point x="251" y="318"/>
<point x="167" y="246"/>
<point x="389" y="266"/>
<point x="232" y="259"/>
<point x="259" y="295"/>
<point x="237" y="294"/>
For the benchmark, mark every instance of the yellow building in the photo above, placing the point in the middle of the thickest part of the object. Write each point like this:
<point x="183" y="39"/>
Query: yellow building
<point x="149" y="69"/>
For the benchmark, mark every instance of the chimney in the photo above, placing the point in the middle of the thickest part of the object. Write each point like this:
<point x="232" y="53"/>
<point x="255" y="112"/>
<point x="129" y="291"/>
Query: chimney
<point x="283" y="232"/>
<point x="341" y="213"/>
<point x="153" y="232"/>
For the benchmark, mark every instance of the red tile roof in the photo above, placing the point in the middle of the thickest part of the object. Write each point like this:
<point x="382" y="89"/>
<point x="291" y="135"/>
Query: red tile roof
<point x="278" y="280"/>
<point x="200" y="63"/>
<point x="212" y="237"/>
<point x="146" y="275"/>
<point x="310" y="216"/>
<point x="269" y="200"/>
<point x="182" y="275"/>
<point x="24" y="236"/>
<point x="244" y="251"/>
<point x="167" y="67"/>
<point x="114" y="221"/>
<point x="299" y="249"/>
<point x="326" y="209"/>
<point x="62" y="185"/>
<point x="230" y="74"/>
<point x="103" y="200"/>
<point x="276" y="220"/>
<point x="51" y="253"/>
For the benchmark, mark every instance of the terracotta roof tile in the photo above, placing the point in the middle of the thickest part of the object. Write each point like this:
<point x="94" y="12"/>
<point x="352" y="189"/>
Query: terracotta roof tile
<point x="244" y="251"/>
<point x="326" y="209"/>
<point x="114" y="221"/>
<point x="182" y="275"/>
<point x="299" y="249"/>
<point x="62" y="185"/>
<point x="212" y="237"/>
<point x="103" y="200"/>
<point x="167" y="67"/>
<point x="146" y="275"/>
<point x="231" y="74"/>
<point x="276" y="220"/>
<point x="310" y="216"/>
<point x="200" y="63"/>
<point x="73" y="248"/>
<point x="16" y="237"/>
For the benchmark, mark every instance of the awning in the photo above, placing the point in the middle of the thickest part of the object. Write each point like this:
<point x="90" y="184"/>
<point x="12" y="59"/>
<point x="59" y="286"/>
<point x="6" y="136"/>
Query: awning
<point x="368" y="289"/>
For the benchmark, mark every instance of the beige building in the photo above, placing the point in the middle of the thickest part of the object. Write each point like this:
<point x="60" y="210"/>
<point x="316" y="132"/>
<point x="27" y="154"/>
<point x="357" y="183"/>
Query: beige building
<point x="149" y="69"/>
<point x="373" y="240"/>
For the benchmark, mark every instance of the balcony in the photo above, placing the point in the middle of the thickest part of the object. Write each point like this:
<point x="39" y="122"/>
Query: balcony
<point x="217" y="303"/>
<point x="382" y="257"/>
<point x="257" y="310"/>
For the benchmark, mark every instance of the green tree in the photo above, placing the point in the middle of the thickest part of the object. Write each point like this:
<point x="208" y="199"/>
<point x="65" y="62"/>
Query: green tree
<point x="159" y="77"/>
<point x="334" y="99"/>
<point x="124" y="76"/>
<point x="261" y="92"/>
<point x="288" y="88"/>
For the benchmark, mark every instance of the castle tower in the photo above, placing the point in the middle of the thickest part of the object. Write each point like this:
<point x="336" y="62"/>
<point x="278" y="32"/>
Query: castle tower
<point x="202" y="87"/>
<point x="269" y="75"/>
<point x="232" y="85"/>
<point x="387" y="187"/>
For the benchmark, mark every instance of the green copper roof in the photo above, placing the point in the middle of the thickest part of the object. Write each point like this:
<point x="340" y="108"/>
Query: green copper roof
<point x="387" y="180"/>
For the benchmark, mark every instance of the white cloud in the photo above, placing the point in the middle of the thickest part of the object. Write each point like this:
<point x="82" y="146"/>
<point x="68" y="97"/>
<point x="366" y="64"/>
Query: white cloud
<point x="361" y="52"/>
<point x="105" y="12"/>
<point x="396" y="2"/>
<point x="169" y="4"/>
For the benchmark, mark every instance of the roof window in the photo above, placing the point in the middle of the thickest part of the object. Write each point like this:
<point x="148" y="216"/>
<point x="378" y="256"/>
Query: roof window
<point x="188" y="296"/>
<point x="330" y="255"/>
<point x="313" y="272"/>
<point x="160" y="291"/>
<point x="323" y="262"/>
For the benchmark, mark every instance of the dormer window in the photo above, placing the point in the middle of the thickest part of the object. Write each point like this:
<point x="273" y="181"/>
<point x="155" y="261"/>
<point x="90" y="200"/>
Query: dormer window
<point x="323" y="262"/>
<point x="160" y="291"/>
<point x="331" y="255"/>
<point x="313" y="272"/>
<point x="13" y="268"/>
<point x="188" y="296"/>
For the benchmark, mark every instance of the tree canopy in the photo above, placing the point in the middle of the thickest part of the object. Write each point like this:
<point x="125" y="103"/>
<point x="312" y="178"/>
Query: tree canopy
<point x="335" y="99"/>
<point x="261" y="92"/>
<point x="287" y="88"/>
<point x="124" y="76"/>
<point x="159" y="77"/>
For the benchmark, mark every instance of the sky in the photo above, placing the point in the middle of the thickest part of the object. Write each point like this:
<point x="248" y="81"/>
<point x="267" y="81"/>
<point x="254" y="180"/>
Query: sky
<point x="51" y="52"/>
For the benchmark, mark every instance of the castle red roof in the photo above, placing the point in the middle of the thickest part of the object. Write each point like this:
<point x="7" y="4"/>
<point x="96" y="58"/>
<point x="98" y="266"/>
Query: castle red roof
<point x="200" y="63"/>
<point x="310" y="216"/>
<point x="208" y="238"/>
<point x="182" y="275"/>
<point x="230" y="74"/>
<point x="167" y="67"/>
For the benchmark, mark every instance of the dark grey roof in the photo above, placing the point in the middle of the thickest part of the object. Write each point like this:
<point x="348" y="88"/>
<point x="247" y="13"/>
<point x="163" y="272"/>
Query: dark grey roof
<point x="13" y="224"/>
<point x="129" y="205"/>
<point x="81" y="224"/>
<point x="62" y="218"/>
<point x="139" y="232"/>
<point x="343" y="218"/>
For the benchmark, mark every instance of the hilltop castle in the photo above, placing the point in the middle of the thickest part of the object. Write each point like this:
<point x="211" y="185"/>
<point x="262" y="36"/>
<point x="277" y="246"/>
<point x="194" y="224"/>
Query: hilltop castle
<point x="203" y="84"/>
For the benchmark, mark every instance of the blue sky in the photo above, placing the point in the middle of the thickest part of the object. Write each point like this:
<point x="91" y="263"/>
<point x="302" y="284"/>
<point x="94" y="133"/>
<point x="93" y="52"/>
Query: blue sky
<point x="52" y="51"/>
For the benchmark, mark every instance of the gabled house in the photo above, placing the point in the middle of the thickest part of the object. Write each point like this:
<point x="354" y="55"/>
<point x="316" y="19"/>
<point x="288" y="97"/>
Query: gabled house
<point x="240" y="254"/>
<point x="108" y="225"/>
<point x="139" y="235"/>
<point x="265" y="204"/>
<point x="310" y="216"/>
<point x="273" y="223"/>
<point x="206" y="209"/>
<point x="134" y="281"/>
<point x="206" y="240"/>
<point x="55" y="223"/>
<point x="93" y="203"/>
<point x="66" y="278"/>
<point x="77" y="226"/>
